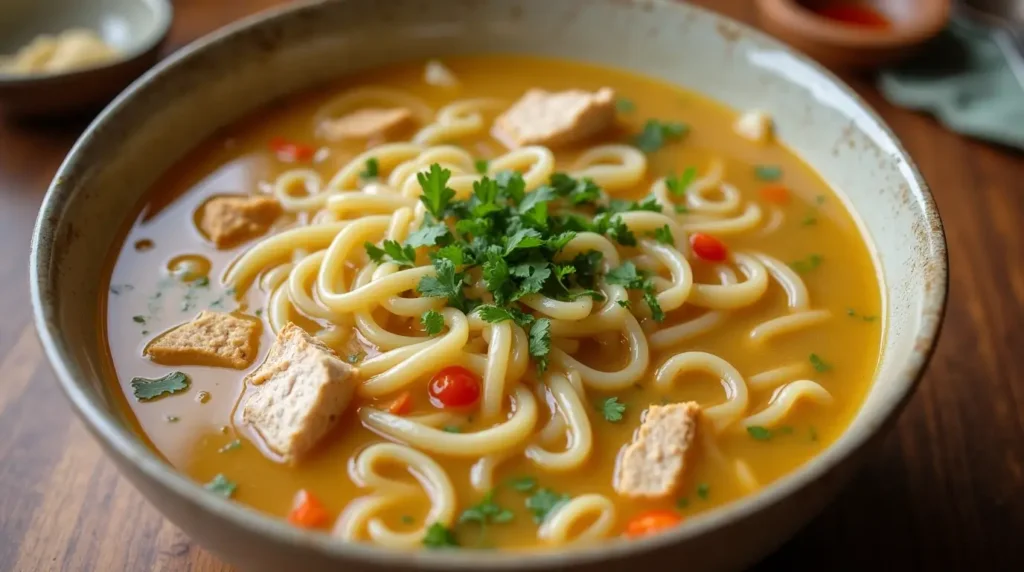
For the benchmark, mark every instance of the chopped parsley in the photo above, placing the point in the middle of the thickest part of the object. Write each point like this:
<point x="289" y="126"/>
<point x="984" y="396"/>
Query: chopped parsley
<point x="146" y="389"/>
<point x="819" y="364"/>
<point x="523" y="484"/>
<point x="201" y="282"/>
<point x="392" y="252"/>
<point x="677" y="185"/>
<point x="481" y="166"/>
<point x="406" y="519"/>
<point x="540" y="342"/>
<point x="664" y="235"/>
<point x="139" y="319"/>
<point x="853" y="314"/>
<point x="624" y="303"/>
<point x="452" y="429"/>
<point x="624" y="105"/>
<point x="809" y="219"/>
<point x="221" y="485"/>
<point x="768" y="172"/>
<point x="703" y="491"/>
<point x="807" y="264"/>
<point x="543" y="502"/>
<point x="759" y="433"/>
<point x="629" y="277"/>
<point x="432" y="322"/>
<point x="116" y="289"/>
<point x="611" y="409"/>
<point x="371" y="169"/>
<point x="236" y="444"/>
<point x="656" y="133"/>
<point x="486" y="512"/>
<point x="438" y="536"/>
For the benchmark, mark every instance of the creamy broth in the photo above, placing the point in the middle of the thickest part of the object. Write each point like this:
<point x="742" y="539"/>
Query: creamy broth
<point x="166" y="272"/>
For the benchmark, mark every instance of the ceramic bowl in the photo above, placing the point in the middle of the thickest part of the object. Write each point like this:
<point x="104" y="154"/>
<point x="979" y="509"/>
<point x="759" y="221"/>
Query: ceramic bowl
<point x="838" y="44"/>
<point x="136" y="28"/>
<point x="224" y="76"/>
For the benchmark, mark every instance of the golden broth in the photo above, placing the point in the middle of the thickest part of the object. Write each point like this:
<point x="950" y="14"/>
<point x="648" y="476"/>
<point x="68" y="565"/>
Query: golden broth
<point x="199" y="433"/>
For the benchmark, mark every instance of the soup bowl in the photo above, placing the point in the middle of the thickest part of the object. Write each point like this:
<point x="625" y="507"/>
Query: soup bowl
<point x="236" y="70"/>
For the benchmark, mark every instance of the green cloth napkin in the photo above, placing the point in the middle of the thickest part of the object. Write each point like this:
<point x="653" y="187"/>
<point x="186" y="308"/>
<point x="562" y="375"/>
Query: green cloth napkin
<point x="963" y="78"/>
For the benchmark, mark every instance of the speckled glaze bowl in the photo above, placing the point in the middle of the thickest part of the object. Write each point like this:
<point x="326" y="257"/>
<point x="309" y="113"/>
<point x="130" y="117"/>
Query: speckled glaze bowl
<point x="230" y="73"/>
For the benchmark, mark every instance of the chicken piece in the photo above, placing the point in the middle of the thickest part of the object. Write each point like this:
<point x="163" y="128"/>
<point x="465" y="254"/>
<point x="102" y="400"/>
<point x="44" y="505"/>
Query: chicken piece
<point x="554" y="119"/>
<point x="755" y="126"/>
<point x="653" y="464"/>
<point x="230" y="220"/>
<point x="366" y="123"/>
<point x="212" y="338"/>
<point x="302" y="389"/>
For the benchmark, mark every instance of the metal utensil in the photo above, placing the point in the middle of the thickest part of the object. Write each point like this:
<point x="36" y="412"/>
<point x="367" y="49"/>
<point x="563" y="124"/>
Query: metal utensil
<point x="1006" y="18"/>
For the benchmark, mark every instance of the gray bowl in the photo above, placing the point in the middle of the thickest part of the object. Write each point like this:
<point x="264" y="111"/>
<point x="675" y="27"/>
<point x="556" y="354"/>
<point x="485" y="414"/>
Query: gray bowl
<point x="136" y="28"/>
<point x="234" y="71"/>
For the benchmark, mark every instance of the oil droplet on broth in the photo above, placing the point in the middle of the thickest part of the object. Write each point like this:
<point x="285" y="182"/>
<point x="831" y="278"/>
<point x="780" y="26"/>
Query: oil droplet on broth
<point x="189" y="267"/>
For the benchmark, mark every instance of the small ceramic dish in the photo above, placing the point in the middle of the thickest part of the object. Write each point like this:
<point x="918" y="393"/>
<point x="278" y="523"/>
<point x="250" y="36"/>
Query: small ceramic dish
<point x="249" y="64"/>
<point x="841" y="33"/>
<point x="135" y="28"/>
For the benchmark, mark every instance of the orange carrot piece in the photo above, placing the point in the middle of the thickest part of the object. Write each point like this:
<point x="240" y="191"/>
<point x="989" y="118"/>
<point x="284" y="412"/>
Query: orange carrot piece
<point x="777" y="194"/>
<point x="651" y="522"/>
<point x="402" y="404"/>
<point x="308" y="511"/>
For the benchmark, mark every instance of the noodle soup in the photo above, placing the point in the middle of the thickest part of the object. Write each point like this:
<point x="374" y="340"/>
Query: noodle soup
<point x="435" y="306"/>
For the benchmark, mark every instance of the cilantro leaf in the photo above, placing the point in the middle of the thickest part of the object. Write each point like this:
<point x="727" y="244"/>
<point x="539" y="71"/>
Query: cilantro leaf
<point x="486" y="512"/>
<point x="703" y="491"/>
<point x="543" y="502"/>
<point x="428" y="235"/>
<point x="512" y="185"/>
<point x="652" y="302"/>
<point x="438" y="536"/>
<point x="525" y="238"/>
<point x="806" y="265"/>
<point x="149" y="389"/>
<point x="664" y="235"/>
<point x="625" y="275"/>
<point x="432" y="322"/>
<point x="624" y="105"/>
<point x="221" y="485"/>
<point x="611" y="409"/>
<point x="540" y="343"/>
<point x="577" y="191"/>
<point x="481" y="166"/>
<point x="493" y="314"/>
<point x="371" y="169"/>
<point x="819" y="364"/>
<point x="560" y="241"/>
<point x="445" y="284"/>
<point x="523" y="484"/>
<point x="436" y="194"/>
<point x="759" y="433"/>
<point x="451" y="252"/>
<point x="402" y="256"/>
<point x="677" y="185"/>
<point x="656" y="133"/>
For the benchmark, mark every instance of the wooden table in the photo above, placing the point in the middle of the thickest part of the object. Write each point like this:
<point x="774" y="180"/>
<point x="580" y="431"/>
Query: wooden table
<point x="946" y="491"/>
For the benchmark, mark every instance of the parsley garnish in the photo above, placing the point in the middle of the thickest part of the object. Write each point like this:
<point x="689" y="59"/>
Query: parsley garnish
<point x="146" y="389"/>
<point x="819" y="364"/>
<point x="624" y="105"/>
<point x="768" y="172"/>
<point x="540" y="342"/>
<point x="406" y="519"/>
<point x="432" y="322"/>
<point x="656" y="133"/>
<point x="807" y="264"/>
<point x="436" y="193"/>
<point x="703" y="490"/>
<point x="452" y="429"/>
<point x="809" y="219"/>
<point x="371" y="169"/>
<point x="759" y="433"/>
<point x="624" y="303"/>
<point x="611" y="409"/>
<point x="628" y="276"/>
<point x="481" y="166"/>
<point x="393" y="252"/>
<point x="139" y="319"/>
<point x="221" y="485"/>
<point x="486" y="512"/>
<point x="664" y="235"/>
<point x="677" y="185"/>
<point x="438" y="536"/>
<point x="523" y="484"/>
<point x="543" y="502"/>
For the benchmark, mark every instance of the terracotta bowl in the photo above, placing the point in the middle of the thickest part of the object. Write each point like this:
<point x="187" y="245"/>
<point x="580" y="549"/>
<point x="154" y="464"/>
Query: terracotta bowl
<point x="222" y="77"/>
<point x="838" y="44"/>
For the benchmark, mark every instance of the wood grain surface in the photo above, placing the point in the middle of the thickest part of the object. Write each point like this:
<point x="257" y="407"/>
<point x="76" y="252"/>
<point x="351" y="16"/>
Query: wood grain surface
<point x="945" y="492"/>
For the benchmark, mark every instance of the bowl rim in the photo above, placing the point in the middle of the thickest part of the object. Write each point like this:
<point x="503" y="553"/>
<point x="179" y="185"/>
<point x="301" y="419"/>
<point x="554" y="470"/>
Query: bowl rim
<point x="118" y="438"/>
<point x="800" y="20"/>
<point x="164" y="15"/>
